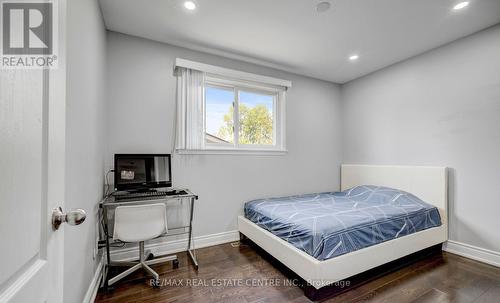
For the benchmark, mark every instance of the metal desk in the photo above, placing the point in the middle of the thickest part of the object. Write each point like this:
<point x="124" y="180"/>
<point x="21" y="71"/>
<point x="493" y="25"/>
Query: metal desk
<point x="108" y="204"/>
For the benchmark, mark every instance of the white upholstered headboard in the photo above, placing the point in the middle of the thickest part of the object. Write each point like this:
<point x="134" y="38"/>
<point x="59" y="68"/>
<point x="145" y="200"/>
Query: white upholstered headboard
<point x="428" y="183"/>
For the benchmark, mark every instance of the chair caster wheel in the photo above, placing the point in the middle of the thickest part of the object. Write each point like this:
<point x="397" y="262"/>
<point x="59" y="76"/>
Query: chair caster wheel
<point x="175" y="264"/>
<point x="150" y="256"/>
<point x="156" y="284"/>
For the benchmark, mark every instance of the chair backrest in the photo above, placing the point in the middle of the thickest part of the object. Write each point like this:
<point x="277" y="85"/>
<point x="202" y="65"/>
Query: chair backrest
<point x="139" y="222"/>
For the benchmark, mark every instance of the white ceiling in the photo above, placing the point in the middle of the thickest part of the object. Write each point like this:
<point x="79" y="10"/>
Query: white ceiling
<point x="291" y="35"/>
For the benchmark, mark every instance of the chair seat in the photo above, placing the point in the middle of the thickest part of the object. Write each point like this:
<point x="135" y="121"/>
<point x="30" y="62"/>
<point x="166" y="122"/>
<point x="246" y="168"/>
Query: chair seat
<point x="140" y="222"/>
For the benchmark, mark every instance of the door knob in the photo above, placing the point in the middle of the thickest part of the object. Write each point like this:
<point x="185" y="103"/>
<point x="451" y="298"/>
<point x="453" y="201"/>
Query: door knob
<point x="73" y="217"/>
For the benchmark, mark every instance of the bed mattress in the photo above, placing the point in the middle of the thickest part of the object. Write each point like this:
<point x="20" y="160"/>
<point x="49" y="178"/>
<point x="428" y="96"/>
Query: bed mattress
<point x="330" y="224"/>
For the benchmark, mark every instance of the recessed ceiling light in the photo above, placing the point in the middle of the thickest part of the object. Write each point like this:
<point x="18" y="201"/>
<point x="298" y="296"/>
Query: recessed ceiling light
<point x="323" y="6"/>
<point x="461" y="5"/>
<point x="354" y="57"/>
<point x="190" y="5"/>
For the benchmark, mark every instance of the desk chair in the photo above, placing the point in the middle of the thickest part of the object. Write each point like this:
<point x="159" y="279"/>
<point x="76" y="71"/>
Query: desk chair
<point x="138" y="224"/>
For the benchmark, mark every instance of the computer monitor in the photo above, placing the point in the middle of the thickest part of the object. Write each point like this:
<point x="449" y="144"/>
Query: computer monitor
<point x="142" y="171"/>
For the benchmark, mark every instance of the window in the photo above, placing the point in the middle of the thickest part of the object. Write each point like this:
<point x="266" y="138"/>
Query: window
<point x="240" y="117"/>
<point x="234" y="115"/>
<point x="219" y="115"/>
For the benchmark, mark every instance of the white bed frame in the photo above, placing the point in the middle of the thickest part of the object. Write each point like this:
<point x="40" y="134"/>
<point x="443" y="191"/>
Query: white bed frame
<point x="428" y="183"/>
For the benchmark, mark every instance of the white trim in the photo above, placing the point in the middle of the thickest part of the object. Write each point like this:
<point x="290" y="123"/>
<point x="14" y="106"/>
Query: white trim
<point x="236" y="117"/>
<point x="473" y="252"/>
<point x="175" y="246"/>
<point x="232" y="151"/>
<point x="179" y="62"/>
<point x="23" y="287"/>
<point x="91" y="293"/>
<point x="229" y="83"/>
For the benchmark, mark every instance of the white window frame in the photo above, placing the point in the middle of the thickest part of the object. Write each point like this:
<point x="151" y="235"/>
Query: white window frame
<point x="240" y="81"/>
<point x="279" y="114"/>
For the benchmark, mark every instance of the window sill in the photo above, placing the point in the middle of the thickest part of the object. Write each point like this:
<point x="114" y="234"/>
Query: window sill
<point x="239" y="152"/>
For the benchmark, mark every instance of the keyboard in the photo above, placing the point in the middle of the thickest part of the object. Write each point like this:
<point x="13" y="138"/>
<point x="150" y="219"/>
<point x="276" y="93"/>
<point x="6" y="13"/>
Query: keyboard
<point x="148" y="195"/>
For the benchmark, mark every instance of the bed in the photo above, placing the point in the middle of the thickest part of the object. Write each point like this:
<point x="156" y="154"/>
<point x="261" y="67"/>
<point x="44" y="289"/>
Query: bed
<point x="321" y="263"/>
<point x="330" y="224"/>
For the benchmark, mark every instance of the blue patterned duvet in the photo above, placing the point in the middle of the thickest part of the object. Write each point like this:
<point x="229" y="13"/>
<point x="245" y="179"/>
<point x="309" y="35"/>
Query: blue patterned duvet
<point x="327" y="225"/>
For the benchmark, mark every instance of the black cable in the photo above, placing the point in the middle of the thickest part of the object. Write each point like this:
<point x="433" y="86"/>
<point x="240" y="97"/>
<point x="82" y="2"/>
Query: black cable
<point x="107" y="193"/>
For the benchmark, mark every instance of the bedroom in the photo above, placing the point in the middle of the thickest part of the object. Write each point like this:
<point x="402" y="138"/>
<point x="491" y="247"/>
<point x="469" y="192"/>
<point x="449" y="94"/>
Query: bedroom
<point x="403" y="94"/>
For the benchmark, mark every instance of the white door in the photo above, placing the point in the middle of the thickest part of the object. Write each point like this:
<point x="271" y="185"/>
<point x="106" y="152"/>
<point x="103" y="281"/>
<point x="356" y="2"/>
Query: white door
<point x="32" y="130"/>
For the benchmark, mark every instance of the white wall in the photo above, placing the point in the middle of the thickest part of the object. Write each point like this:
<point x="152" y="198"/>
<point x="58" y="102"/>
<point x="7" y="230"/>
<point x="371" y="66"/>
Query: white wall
<point x="85" y="120"/>
<point x="440" y="108"/>
<point x="141" y="96"/>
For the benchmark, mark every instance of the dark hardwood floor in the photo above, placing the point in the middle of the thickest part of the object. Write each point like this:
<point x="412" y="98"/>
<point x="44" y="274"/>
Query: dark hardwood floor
<point x="238" y="274"/>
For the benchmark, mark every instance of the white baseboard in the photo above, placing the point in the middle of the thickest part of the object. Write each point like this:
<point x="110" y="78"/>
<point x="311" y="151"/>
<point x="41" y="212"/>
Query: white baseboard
<point x="473" y="252"/>
<point x="171" y="247"/>
<point x="94" y="284"/>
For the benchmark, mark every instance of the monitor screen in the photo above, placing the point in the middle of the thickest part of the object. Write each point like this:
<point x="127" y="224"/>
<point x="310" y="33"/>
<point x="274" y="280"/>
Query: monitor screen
<point x="134" y="171"/>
